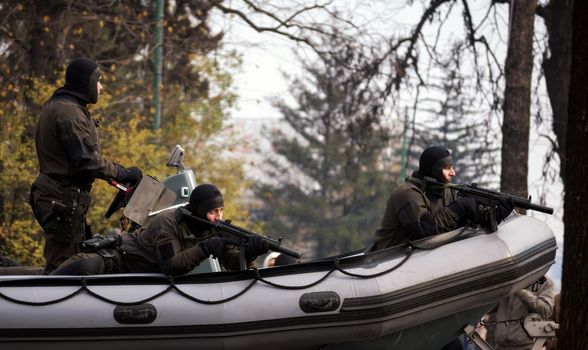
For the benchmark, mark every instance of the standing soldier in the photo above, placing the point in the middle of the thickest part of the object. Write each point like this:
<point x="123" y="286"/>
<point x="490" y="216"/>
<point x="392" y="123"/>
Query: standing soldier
<point x="69" y="160"/>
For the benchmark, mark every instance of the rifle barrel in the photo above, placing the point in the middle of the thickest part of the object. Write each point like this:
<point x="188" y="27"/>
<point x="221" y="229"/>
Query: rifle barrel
<point x="532" y="206"/>
<point x="278" y="247"/>
<point x="518" y="202"/>
<point x="274" y="245"/>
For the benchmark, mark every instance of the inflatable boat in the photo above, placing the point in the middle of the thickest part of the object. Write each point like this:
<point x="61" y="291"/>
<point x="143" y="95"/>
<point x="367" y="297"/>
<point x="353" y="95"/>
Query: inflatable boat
<point x="417" y="296"/>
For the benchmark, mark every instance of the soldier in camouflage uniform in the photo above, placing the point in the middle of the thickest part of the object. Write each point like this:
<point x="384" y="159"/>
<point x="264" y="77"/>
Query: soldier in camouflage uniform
<point x="172" y="243"/>
<point x="69" y="156"/>
<point x="538" y="298"/>
<point x="414" y="211"/>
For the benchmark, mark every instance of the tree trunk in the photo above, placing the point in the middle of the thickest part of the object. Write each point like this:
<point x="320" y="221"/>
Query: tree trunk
<point x="574" y="304"/>
<point x="517" y="98"/>
<point x="558" y="21"/>
<point x="45" y="56"/>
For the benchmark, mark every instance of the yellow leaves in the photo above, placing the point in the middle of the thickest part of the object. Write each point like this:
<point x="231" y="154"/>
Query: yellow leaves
<point x="121" y="90"/>
<point x="20" y="241"/>
<point x="193" y="57"/>
<point x="101" y="24"/>
<point x="46" y="19"/>
<point x="19" y="235"/>
<point x="5" y="68"/>
<point x="170" y="29"/>
<point x="78" y="31"/>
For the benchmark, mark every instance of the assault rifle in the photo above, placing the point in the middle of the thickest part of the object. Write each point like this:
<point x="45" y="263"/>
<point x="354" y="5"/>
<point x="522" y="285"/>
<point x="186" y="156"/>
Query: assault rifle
<point x="486" y="197"/>
<point x="243" y="234"/>
<point x="481" y="193"/>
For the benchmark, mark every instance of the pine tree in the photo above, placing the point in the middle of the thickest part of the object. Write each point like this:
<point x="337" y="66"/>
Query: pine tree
<point x="327" y="180"/>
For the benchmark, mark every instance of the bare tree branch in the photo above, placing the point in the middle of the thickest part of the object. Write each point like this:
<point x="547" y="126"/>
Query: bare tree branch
<point x="281" y="23"/>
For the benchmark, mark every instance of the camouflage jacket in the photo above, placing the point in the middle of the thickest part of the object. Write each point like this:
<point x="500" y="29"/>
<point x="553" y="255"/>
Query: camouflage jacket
<point x="412" y="213"/>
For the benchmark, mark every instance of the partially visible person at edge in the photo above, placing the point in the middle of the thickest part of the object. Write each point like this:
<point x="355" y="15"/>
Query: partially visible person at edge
<point x="172" y="243"/>
<point x="416" y="211"/>
<point x="538" y="298"/>
<point x="551" y="343"/>
<point x="68" y="150"/>
<point x="278" y="259"/>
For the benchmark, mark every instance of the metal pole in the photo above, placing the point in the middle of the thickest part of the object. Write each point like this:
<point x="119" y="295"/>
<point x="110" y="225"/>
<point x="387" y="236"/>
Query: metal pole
<point x="157" y="63"/>
<point x="404" y="151"/>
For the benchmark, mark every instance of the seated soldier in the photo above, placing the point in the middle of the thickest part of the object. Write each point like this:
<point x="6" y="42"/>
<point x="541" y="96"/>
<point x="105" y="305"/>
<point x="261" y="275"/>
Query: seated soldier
<point x="172" y="243"/>
<point x="416" y="211"/>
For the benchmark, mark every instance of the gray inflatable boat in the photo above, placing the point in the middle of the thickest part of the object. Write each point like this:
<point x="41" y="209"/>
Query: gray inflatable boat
<point x="405" y="297"/>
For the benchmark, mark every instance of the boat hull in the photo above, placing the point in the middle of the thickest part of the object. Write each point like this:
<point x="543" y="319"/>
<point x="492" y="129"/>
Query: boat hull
<point x="399" y="298"/>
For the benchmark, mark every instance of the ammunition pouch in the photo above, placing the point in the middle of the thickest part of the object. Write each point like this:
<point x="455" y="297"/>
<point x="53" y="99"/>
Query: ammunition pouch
<point x="111" y="260"/>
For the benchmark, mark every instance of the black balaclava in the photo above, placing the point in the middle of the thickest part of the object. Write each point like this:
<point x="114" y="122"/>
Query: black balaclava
<point x="432" y="162"/>
<point x="203" y="199"/>
<point x="81" y="77"/>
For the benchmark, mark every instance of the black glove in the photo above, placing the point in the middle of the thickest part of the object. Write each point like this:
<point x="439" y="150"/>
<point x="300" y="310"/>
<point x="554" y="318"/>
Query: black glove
<point x="503" y="208"/>
<point x="215" y="246"/>
<point x="255" y="247"/>
<point x="465" y="207"/>
<point x="129" y="175"/>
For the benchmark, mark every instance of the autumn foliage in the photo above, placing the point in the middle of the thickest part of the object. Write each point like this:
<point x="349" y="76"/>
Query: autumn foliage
<point x="39" y="38"/>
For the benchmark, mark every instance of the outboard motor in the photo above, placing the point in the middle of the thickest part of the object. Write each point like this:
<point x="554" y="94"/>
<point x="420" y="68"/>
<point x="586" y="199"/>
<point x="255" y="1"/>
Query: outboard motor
<point x="184" y="181"/>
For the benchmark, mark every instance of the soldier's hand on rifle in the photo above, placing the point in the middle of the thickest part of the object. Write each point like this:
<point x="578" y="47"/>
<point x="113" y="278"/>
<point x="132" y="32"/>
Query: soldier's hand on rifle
<point x="215" y="246"/>
<point x="503" y="208"/>
<point x="255" y="247"/>
<point x="466" y="207"/>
